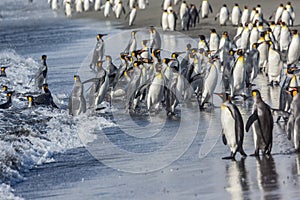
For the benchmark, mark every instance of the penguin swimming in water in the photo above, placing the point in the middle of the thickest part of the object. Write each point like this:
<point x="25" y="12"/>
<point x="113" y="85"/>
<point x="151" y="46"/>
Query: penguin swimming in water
<point x="42" y="99"/>
<point x="41" y="75"/>
<point x="232" y="128"/>
<point x="99" y="51"/>
<point x="77" y="103"/>
<point x="8" y="102"/>
<point x="262" y="121"/>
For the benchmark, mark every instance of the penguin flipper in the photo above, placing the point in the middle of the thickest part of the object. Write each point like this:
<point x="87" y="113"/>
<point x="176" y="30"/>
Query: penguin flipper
<point x="251" y="120"/>
<point x="224" y="139"/>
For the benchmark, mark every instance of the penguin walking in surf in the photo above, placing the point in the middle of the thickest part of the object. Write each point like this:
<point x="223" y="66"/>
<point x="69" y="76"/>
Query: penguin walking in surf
<point x="77" y="103"/>
<point x="99" y="51"/>
<point x="41" y="75"/>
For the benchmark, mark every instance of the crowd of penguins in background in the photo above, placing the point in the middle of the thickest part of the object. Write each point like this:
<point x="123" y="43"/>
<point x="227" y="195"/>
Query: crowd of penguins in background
<point x="147" y="82"/>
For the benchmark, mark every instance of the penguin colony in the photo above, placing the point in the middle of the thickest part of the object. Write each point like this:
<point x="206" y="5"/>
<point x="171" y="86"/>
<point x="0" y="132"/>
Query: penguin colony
<point x="270" y="49"/>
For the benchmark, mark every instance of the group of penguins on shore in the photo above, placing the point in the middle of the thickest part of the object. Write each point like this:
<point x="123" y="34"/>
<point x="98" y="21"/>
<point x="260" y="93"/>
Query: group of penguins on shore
<point x="147" y="81"/>
<point x="109" y="7"/>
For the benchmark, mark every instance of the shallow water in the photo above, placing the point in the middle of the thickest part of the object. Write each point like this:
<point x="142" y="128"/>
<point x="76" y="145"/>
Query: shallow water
<point x="114" y="155"/>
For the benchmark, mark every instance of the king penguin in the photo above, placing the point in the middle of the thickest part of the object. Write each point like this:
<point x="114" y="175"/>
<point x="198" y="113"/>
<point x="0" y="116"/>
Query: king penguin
<point x="78" y="6"/>
<point x="275" y="66"/>
<point x="232" y="128"/>
<point x="237" y="82"/>
<point x="68" y="8"/>
<point x="236" y="15"/>
<point x="45" y="98"/>
<point x="41" y="75"/>
<point x="223" y="15"/>
<point x="131" y="46"/>
<point x="262" y="121"/>
<point x="293" y="51"/>
<point x="3" y="73"/>
<point x="132" y="15"/>
<point x="206" y="9"/>
<point x="99" y="51"/>
<point x="77" y="103"/>
<point x="155" y="94"/>
<point x="86" y="5"/>
<point x="8" y="102"/>
<point x="293" y="125"/>
<point x="245" y="15"/>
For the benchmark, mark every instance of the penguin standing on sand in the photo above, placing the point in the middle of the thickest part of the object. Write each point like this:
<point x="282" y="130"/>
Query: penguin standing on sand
<point x="99" y="51"/>
<point x="293" y="125"/>
<point x="119" y="9"/>
<point x="214" y="41"/>
<point x="223" y="15"/>
<point x="275" y="66"/>
<point x="277" y="13"/>
<point x="8" y="102"/>
<point x="132" y="15"/>
<point x="164" y="20"/>
<point x="107" y="8"/>
<point x="210" y="84"/>
<point x="205" y="9"/>
<point x="77" y="103"/>
<point x="252" y="65"/>
<point x="194" y="15"/>
<point x="290" y="9"/>
<point x="185" y="17"/>
<point x="236" y="15"/>
<point x="237" y="82"/>
<point x="245" y="15"/>
<point x="78" y="6"/>
<point x="232" y="128"/>
<point x="97" y="5"/>
<point x="41" y="75"/>
<point x="86" y="5"/>
<point x="155" y="40"/>
<point x="68" y="8"/>
<point x="131" y="46"/>
<point x="172" y="18"/>
<point x="293" y="52"/>
<point x="156" y="91"/>
<point x="284" y="38"/>
<point x="262" y="121"/>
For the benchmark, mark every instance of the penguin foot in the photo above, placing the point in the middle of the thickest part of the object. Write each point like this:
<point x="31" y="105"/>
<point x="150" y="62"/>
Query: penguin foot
<point x="228" y="158"/>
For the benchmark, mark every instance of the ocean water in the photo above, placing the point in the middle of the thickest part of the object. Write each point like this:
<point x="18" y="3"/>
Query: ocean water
<point x="46" y="154"/>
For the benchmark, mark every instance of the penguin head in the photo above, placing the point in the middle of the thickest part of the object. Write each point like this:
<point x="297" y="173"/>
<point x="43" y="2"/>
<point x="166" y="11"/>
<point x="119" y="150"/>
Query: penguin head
<point x="188" y="47"/>
<point x="4" y="88"/>
<point x="29" y="98"/>
<point x="99" y="36"/>
<point x="224" y="5"/>
<point x="289" y="3"/>
<point x="3" y="69"/>
<point x="255" y="93"/>
<point x="202" y="37"/>
<point x="281" y="5"/>
<point x="45" y="87"/>
<point x="294" y="92"/>
<point x="133" y="33"/>
<point x="239" y="52"/>
<point x="236" y="5"/>
<point x="254" y="45"/>
<point x="213" y="30"/>
<point x="108" y="58"/>
<point x="232" y="52"/>
<point x="246" y="7"/>
<point x="174" y="55"/>
<point x="295" y="32"/>
<point x="76" y="78"/>
<point x="44" y="57"/>
<point x="225" y="34"/>
<point x="166" y="60"/>
<point x="9" y="94"/>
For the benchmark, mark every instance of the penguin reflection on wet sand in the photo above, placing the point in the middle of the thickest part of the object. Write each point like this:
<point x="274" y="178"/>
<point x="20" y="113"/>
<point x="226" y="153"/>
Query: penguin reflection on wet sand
<point x="8" y="102"/>
<point x="262" y="121"/>
<point x="232" y="128"/>
<point x="77" y="103"/>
